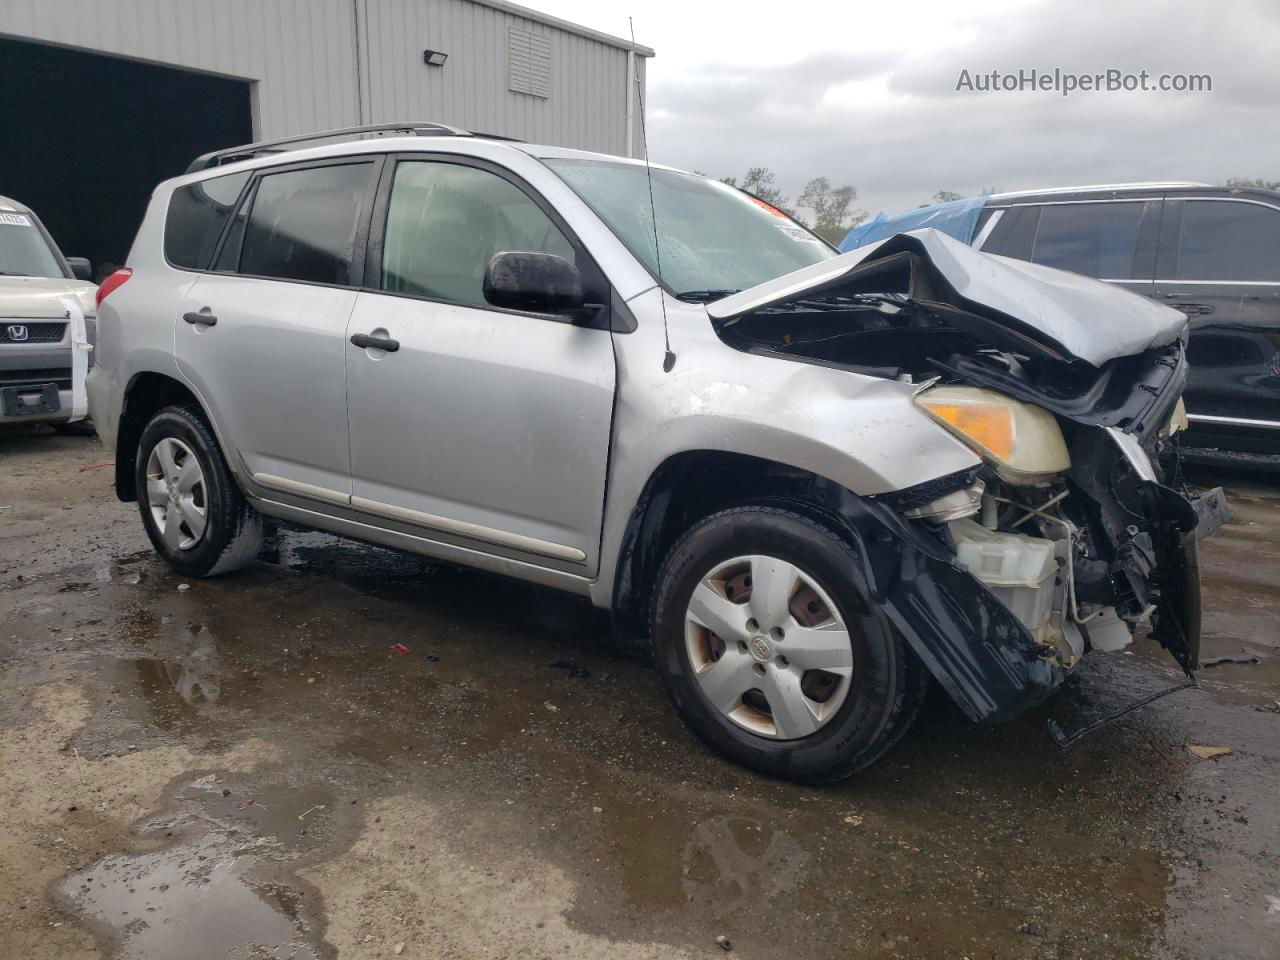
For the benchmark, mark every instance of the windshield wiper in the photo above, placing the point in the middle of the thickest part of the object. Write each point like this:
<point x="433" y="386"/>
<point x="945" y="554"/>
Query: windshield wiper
<point x="703" y="296"/>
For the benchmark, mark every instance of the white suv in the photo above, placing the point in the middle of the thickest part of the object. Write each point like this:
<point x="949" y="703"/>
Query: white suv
<point x="46" y="324"/>
<point x="810" y="481"/>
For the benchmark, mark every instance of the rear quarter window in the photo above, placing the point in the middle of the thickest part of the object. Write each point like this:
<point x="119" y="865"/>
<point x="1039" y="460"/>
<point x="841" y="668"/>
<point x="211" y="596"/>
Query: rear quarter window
<point x="197" y="213"/>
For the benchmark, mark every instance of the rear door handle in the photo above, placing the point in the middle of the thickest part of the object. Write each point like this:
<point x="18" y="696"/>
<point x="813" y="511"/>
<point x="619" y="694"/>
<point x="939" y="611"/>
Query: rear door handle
<point x="375" y="343"/>
<point x="202" y="318"/>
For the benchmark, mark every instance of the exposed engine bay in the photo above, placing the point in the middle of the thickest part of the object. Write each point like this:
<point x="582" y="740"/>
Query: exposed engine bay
<point x="1078" y="523"/>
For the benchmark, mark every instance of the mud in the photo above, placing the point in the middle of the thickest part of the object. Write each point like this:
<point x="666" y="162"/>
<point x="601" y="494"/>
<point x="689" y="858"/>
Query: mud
<point x="245" y="768"/>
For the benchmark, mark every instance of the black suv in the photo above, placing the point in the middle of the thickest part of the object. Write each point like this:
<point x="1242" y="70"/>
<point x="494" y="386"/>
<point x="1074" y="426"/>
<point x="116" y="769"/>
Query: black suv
<point x="1211" y="252"/>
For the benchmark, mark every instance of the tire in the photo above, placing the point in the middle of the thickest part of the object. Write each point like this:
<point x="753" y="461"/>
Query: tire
<point x="231" y="536"/>
<point x="874" y="702"/>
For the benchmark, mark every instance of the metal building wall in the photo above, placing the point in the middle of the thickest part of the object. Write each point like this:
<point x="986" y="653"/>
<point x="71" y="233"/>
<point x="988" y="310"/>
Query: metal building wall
<point x="310" y="75"/>
<point x="587" y="105"/>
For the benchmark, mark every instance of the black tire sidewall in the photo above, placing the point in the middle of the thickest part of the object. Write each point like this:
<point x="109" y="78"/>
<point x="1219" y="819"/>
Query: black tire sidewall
<point x="221" y="495"/>
<point x="844" y="743"/>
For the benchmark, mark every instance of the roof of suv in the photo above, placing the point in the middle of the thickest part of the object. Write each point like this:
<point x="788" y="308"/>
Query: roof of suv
<point x="481" y="146"/>
<point x="13" y="206"/>
<point x="406" y="136"/>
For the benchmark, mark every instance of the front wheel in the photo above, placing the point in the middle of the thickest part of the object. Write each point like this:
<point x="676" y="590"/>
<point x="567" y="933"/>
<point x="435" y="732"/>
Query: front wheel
<point x="772" y="651"/>
<point x="194" y="513"/>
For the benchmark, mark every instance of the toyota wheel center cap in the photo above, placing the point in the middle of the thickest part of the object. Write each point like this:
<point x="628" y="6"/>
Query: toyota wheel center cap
<point x="761" y="649"/>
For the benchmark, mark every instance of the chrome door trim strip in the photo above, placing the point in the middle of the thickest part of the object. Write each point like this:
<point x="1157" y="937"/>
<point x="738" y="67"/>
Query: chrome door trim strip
<point x="473" y="531"/>
<point x="1256" y="203"/>
<point x="1233" y="421"/>
<point x="302" y="489"/>
<point x="1227" y="283"/>
<point x="1014" y="205"/>
<point x="419" y="543"/>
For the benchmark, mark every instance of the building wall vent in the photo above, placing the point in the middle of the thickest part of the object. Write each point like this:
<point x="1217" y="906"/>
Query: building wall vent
<point x="528" y="63"/>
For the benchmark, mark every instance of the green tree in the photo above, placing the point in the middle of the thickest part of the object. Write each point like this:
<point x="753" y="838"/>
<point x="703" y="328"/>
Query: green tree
<point x="833" y="210"/>
<point x="759" y="181"/>
<point x="944" y="196"/>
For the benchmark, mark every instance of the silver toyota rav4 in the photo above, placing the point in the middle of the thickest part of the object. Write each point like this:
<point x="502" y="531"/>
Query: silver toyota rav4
<point x="808" y="482"/>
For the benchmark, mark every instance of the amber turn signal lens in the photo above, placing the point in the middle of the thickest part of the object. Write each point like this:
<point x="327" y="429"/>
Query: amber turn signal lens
<point x="988" y="425"/>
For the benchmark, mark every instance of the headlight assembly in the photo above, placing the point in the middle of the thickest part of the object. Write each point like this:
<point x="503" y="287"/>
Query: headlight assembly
<point x="1022" y="441"/>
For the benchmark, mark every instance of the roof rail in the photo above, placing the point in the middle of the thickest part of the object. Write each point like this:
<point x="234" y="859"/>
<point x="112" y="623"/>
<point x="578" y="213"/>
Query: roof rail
<point x="216" y="158"/>
<point x="1100" y="187"/>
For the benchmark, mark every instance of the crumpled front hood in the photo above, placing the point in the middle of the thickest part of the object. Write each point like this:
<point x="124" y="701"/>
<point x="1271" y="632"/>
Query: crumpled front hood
<point x="1065" y="313"/>
<point x="40" y="298"/>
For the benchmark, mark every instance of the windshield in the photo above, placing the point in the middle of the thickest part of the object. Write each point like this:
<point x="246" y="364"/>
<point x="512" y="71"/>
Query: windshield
<point x="23" y="249"/>
<point x="714" y="239"/>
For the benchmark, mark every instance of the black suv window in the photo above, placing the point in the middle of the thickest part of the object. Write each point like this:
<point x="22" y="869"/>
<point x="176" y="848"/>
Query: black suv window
<point x="1095" y="239"/>
<point x="1228" y="240"/>
<point x="445" y="221"/>
<point x="304" y="223"/>
<point x="195" y="218"/>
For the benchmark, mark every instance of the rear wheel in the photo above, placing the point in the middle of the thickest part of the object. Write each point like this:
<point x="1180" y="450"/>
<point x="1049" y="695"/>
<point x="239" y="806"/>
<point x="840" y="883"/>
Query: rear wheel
<point x="194" y="513"/>
<point x="772" y="651"/>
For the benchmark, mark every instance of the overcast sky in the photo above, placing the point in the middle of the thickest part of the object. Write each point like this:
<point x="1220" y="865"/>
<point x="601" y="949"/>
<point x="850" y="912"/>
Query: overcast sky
<point x="865" y="92"/>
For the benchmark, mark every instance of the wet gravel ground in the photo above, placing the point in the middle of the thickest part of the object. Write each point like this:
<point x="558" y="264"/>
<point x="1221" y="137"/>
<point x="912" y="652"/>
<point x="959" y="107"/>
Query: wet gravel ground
<point x="245" y="767"/>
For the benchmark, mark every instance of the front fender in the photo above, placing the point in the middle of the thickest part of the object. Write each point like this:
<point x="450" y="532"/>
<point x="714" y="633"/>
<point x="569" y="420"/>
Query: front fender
<point x="859" y="432"/>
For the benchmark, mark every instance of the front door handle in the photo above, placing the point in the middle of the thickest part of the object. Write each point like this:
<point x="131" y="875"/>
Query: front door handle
<point x="201" y="318"/>
<point x="375" y="343"/>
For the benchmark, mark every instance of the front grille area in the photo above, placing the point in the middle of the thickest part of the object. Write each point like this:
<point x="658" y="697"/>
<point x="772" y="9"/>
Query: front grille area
<point x="35" y="376"/>
<point x="36" y="332"/>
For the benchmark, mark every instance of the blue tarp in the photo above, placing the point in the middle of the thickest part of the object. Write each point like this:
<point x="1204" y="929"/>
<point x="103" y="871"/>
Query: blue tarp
<point x="957" y="218"/>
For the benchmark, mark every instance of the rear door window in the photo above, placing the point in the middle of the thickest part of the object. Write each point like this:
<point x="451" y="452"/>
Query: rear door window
<point x="306" y="224"/>
<point x="196" y="216"/>
<point x="1095" y="239"/>
<point x="1228" y="240"/>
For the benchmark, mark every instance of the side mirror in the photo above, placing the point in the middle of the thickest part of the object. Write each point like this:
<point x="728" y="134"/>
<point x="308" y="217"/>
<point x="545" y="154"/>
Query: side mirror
<point x="81" y="269"/>
<point x="537" y="282"/>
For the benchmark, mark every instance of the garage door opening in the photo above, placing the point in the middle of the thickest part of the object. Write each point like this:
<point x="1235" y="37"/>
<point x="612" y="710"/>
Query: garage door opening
<point x="87" y="137"/>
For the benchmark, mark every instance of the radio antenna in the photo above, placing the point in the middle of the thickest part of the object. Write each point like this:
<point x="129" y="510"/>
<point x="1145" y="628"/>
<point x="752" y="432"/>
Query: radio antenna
<point x="669" y="360"/>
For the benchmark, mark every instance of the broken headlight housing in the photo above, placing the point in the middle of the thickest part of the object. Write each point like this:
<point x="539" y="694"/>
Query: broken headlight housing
<point x="1021" y="441"/>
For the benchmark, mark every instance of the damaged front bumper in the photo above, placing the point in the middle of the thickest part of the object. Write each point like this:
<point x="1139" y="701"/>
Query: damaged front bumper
<point x="1001" y="612"/>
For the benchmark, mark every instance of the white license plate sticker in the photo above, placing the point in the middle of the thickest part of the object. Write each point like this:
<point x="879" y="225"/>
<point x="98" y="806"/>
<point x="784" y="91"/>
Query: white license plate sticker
<point x="797" y="234"/>
<point x="15" y="219"/>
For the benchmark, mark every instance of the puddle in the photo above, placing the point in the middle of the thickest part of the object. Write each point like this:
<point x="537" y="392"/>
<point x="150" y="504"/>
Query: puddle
<point x="219" y="888"/>
<point x="738" y="863"/>
<point x="194" y="682"/>
<point x="192" y="901"/>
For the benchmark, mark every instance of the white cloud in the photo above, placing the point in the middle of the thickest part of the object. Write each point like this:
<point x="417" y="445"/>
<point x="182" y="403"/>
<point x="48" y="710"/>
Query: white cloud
<point x="865" y="93"/>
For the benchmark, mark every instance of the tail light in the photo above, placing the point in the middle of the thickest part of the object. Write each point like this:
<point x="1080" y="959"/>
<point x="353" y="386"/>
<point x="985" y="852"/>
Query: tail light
<point x="116" y="279"/>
